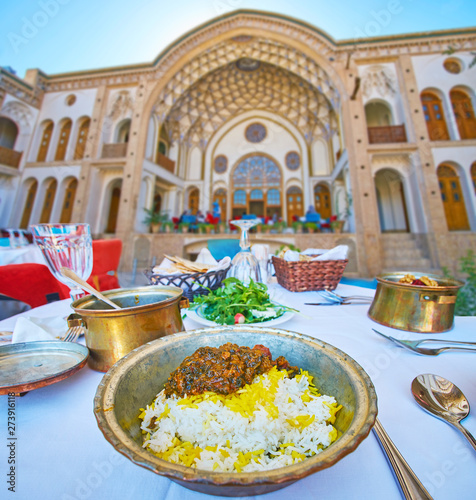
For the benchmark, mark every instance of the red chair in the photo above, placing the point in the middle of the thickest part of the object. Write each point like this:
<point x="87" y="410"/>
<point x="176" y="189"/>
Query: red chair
<point x="106" y="257"/>
<point x="31" y="283"/>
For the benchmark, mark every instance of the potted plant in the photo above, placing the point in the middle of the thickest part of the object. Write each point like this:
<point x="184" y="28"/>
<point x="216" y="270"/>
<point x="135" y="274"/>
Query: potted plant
<point x="206" y="228"/>
<point x="311" y="227"/>
<point x="168" y="226"/>
<point x="297" y="226"/>
<point x="154" y="219"/>
<point x="337" y="225"/>
<point x="184" y="227"/>
<point x="279" y="226"/>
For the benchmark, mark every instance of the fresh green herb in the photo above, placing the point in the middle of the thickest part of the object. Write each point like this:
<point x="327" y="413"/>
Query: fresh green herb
<point x="222" y="305"/>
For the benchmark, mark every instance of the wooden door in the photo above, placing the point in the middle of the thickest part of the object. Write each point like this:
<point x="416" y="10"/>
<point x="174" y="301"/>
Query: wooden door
<point x="453" y="200"/>
<point x="63" y="141"/>
<point x="81" y="141"/>
<point x="45" y="142"/>
<point x="464" y="114"/>
<point x="113" y="210"/>
<point x="193" y="201"/>
<point x="48" y="203"/>
<point x="434" y="117"/>
<point x="68" y="202"/>
<point x="294" y="204"/>
<point x="30" y="200"/>
<point x="322" y="201"/>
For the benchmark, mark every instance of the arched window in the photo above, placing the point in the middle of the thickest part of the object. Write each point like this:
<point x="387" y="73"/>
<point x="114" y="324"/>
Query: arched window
<point x="322" y="201"/>
<point x="81" y="140"/>
<point x="29" y="201"/>
<point x="8" y="133"/>
<point x="453" y="200"/>
<point x="464" y="114"/>
<point x="45" y="141"/>
<point x="63" y="140"/>
<point x="434" y="117"/>
<point x="123" y="129"/>
<point x="68" y="202"/>
<point x="254" y="175"/>
<point x="220" y="197"/>
<point x="48" y="203"/>
<point x="294" y="203"/>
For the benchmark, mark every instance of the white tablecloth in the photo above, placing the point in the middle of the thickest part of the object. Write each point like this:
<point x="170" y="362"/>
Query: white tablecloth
<point x="61" y="453"/>
<point x="21" y="255"/>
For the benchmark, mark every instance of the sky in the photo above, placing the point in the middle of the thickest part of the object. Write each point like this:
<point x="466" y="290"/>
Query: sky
<point x="59" y="36"/>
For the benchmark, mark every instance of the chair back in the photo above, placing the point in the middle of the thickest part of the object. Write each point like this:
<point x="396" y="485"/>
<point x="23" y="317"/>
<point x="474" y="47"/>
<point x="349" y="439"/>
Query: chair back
<point x="31" y="283"/>
<point x="106" y="257"/>
<point x="221" y="248"/>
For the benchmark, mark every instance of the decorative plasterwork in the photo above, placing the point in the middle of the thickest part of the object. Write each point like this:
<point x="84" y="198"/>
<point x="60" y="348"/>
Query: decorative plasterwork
<point x="122" y="105"/>
<point x="196" y="112"/>
<point x="19" y="113"/>
<point x="379" y="79"/>
<point x="400" y="162"/>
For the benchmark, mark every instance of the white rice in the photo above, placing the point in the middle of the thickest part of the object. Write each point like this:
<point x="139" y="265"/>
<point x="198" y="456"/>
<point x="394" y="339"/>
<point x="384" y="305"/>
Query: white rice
<point x="274" y="422"/>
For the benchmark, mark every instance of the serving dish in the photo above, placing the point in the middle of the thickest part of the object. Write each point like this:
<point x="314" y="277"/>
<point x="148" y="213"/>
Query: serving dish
<point x="30" y="365"/>
<point x="134" y="381"/>
<point x="197" y="316"/>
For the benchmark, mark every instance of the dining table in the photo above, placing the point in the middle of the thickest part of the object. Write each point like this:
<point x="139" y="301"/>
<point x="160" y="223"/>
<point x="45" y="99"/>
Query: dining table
<point x="61" y="454"/>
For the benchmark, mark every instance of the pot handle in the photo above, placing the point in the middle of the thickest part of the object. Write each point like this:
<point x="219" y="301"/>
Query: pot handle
<point x="184" y="303"/>
<point x="76" y="320"/>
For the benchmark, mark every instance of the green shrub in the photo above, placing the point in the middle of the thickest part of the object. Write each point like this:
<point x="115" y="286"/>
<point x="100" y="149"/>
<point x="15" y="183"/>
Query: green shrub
<point x="466" y="301"/>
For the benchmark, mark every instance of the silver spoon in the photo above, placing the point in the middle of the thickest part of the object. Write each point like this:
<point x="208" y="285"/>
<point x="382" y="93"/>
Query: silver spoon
<point x="444" y="400"/>
<point x="68" y="273"/>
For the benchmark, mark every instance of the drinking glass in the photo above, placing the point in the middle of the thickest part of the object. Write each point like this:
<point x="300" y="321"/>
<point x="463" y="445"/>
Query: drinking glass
<point x="244" y="265"/>
<point x="66" y="245"/>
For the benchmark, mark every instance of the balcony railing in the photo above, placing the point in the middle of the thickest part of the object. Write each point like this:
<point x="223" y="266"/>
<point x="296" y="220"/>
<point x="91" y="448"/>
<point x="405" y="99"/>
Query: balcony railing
<point x="114" y="150"/>
<point x="165" y="162"/>
<point x="10" y="157"/>
<point x="382" y="135"/>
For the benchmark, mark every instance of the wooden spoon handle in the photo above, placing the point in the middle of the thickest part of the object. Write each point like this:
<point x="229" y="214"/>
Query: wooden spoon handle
<point x="68" y="273"/>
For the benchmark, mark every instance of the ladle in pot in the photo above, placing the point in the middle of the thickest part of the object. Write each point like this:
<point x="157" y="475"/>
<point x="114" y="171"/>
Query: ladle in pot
<point x="68" y="273"/>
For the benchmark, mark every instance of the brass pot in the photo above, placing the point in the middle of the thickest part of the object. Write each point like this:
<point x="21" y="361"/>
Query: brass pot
<point x="421" y="309"/>
<point x="147" y="313"/>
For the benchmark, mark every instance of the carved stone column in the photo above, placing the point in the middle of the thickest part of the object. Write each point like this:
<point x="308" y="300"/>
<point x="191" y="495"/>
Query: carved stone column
<point x="90" y="153"/>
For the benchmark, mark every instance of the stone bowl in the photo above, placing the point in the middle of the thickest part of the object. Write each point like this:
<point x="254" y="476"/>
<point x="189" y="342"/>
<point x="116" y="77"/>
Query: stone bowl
<point x="135" y="380"/>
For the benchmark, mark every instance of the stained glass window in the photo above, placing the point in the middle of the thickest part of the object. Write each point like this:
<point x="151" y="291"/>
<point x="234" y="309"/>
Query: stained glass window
<point x="256" y="132"/>
<point x="293" y="160"/>
<point x="256" y="171"/>
<point x="239" y="198"/>
<point x="274" y="197"/>
<point x="220" y="164"/>
<point x="256" y="194"/>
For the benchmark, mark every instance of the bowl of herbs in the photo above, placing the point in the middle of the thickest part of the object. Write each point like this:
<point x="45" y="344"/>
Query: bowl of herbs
<point x="235" y="303"/>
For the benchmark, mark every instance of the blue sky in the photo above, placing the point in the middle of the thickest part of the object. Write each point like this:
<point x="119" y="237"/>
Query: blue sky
<point x="68" y="35"/>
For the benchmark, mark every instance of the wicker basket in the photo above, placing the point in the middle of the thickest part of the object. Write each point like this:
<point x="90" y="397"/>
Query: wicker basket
<point x="309" y="275"/>
<point x="188" y="282"/>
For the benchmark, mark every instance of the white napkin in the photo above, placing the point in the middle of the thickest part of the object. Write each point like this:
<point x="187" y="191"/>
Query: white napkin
<point x="337" y="253"/>
<point x="29" y="329"/>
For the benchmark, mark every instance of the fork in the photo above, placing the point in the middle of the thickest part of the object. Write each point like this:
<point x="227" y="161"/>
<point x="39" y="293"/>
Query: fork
<point x="413" y="345"/>
<point x="72" y="334"/>
<point x="330" y="295"/>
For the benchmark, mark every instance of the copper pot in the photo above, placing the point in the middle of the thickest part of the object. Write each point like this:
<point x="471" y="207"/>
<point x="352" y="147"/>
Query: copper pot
<point x="147" y="313"/>
<point x="422" y="309"/>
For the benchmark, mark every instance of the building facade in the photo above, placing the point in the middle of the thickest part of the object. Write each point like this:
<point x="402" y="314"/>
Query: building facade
<point x="263" y="114"/>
